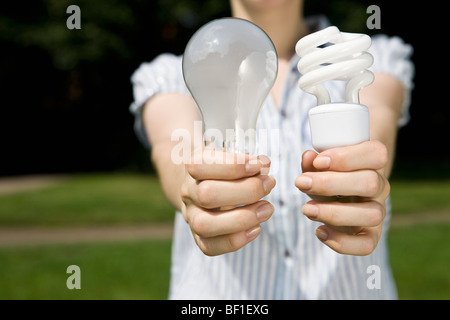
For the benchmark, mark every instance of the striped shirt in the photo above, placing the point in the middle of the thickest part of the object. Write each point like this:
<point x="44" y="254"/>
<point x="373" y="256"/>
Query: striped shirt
<point x="286" y="261"/>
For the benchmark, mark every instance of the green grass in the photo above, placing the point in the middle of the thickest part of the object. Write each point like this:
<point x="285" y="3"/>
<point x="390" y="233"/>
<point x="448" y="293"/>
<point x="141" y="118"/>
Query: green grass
<point x="420" y="260"/>
<point x="419" y="254"/>
<point x="89" y="199"/>
<point x="137" y="270"/>
<point x="411" y="196"/>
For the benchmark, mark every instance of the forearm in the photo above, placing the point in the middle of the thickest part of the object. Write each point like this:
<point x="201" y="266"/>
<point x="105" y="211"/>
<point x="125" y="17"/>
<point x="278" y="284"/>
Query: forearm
<point x="170" y="175"/>
<point x="383" y="127"/>
<point x="384" y="99"/>
<point x="163" y="115"/>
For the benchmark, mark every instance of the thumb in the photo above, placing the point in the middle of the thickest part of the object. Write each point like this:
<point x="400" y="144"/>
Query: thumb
<point x="307" y="161"/>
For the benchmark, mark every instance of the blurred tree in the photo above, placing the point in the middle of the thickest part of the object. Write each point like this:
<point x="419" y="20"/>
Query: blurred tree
<point x="65" y="93"/>
<point x="103" y="23"/>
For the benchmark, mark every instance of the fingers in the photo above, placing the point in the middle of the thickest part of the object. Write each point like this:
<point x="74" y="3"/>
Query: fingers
<point x="220" y="165"/>
<point x="363" y="183"/>
<point x="362" y="214"/>
<point x="307" y="161"/>
<point x="352" y="225"/>
<point x="207" y="223"/>
<point x="218" y="232"/>
<point x="360" y="244"/>
<point x="351" y="228"/>
<point x="367" y="155"/>
<point x="221" y="199"/>
<point x="212" y="194"/>
<point x="228" y="243"/>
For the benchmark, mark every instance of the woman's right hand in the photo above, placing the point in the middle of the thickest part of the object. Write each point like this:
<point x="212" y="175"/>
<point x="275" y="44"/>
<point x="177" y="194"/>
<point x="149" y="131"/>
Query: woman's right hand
<point x="221" y="199"/>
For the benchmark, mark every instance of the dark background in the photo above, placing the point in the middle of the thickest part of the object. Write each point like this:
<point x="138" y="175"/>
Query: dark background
<point x="65" y="94"/>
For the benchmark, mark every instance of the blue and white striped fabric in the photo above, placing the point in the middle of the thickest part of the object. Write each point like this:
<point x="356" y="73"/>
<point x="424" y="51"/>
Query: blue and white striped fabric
<point x="286" y="261"/>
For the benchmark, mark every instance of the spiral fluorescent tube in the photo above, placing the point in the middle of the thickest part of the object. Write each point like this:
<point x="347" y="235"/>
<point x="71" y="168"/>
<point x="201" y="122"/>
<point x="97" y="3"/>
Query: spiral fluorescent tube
<point x="333" y="55"/>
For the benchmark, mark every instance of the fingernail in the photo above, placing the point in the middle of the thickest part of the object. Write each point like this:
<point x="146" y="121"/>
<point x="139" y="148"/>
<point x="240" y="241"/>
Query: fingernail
<point x="268" y="184"/>
<point x="321" y="234"/>
<point x="253" y="232"/>
<point x="264" y="211"/>
<point x="322" y="162"/>
<point x="253" y="166"/>
<point x="304" y="182"/>
<point x="311" y="211"/>
<point x="265" y="164"/>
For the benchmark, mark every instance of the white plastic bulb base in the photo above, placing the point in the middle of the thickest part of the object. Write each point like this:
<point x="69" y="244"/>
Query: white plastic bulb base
<point x="338" y="125"/>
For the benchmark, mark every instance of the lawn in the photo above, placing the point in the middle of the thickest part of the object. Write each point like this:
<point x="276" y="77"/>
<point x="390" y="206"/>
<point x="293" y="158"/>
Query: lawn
<point x="130" y="270"/>
<point x="88" y="200"/>
<point x="412" y="196"/>
<point x="140" y="269"/>
<point x="420" y="259"/>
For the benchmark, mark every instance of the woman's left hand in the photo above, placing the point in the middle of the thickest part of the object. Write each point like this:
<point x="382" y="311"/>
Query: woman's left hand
<point x="349" y="190"/>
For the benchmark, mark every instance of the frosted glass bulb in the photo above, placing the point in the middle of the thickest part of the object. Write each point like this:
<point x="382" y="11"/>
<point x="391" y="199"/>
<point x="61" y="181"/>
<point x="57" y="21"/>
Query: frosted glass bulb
<point x="230" y="66"/>
<point x="333" y="55"/>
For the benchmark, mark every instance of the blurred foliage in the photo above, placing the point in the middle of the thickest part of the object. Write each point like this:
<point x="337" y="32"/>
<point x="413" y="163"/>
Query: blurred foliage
<point x="106" y="25"/>
<point x="67" y="92"/>
<point x="348" y="15"/>
<point x="102" y="25"/>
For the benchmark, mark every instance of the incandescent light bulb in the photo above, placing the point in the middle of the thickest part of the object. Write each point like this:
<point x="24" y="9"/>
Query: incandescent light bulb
<point x="230" y="66"/>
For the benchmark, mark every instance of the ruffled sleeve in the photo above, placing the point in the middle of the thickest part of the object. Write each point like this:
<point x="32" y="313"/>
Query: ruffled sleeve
<point x="393" y="56"/>
<point x="162" y="75"/>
